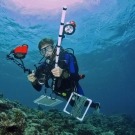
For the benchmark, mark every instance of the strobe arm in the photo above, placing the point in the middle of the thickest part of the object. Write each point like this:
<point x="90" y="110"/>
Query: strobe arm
<point x="21" y="65"/>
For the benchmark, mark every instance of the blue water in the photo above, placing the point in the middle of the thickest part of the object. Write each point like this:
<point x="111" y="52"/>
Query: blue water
<point x="104" y="44"/>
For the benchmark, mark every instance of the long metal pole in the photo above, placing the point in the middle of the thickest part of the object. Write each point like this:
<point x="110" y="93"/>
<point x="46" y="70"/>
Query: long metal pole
<point x="59" y="41"/>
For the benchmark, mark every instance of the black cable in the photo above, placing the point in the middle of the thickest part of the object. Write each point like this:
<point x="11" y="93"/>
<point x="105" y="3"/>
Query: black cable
<point x="21" y="65"/>
<point x="70" y="49"/>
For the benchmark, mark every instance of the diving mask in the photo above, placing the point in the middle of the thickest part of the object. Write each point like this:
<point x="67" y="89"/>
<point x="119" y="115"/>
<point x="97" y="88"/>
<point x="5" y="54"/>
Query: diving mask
<point x="46" y="50"/>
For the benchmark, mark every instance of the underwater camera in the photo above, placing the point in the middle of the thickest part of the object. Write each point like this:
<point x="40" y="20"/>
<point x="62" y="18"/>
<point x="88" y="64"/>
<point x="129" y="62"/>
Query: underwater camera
<point x="40" y="74"/>
<point x="43" y="72"/>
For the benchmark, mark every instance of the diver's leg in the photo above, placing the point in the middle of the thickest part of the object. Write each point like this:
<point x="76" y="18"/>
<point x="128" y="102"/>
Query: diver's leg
<point x="94" y="105"/>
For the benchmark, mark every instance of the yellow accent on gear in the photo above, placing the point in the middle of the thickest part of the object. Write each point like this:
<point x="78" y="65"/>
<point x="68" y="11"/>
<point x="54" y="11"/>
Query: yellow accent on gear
<point x="64" y="94"/>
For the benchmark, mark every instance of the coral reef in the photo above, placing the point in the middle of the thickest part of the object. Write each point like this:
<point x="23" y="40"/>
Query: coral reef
<point x="12" y="121"/>
<point x="16" y="119"/>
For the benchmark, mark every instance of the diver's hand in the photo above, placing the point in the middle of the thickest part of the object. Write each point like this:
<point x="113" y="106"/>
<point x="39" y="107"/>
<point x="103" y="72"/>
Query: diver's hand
<point x="31" y="77"/>
<point x="57" y="71"/>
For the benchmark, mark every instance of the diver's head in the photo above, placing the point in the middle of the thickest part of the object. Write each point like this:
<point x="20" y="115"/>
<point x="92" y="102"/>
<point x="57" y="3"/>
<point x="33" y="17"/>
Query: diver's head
<point x="46" y="47"/>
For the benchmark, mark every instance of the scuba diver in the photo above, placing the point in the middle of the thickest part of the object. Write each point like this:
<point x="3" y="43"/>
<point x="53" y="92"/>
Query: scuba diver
<point x="66" y="74"/>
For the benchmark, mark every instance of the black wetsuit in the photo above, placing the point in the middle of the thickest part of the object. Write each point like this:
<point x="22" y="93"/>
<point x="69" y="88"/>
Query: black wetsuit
<point x="67" y="61"/>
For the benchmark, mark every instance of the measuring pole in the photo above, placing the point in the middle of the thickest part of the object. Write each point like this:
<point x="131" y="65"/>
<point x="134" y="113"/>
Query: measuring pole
<point x="59" y="41"/>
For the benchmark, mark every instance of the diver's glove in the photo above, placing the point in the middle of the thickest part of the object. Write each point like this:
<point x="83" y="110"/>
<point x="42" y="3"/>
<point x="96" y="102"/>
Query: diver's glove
<point x="31" y="77"/>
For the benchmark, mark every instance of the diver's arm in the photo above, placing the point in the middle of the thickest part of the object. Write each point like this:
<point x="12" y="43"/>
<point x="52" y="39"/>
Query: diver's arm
<point x="34" y="81"/>
<point x="68" y="72"/>
<point x="36" y="85"/>
<point x="65" y="74"/>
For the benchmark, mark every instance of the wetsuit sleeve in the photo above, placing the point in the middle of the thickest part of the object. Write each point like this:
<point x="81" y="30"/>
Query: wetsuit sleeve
<point x="72" y="67"/>
<point x="37" y="86"/>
